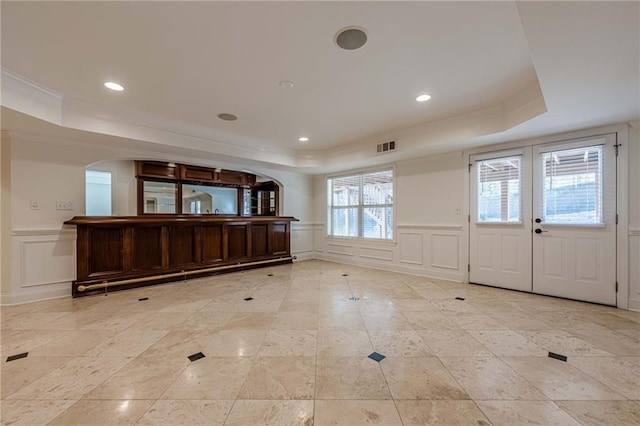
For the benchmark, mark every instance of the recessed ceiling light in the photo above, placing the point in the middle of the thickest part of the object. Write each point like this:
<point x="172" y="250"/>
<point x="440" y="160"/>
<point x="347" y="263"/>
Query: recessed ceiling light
<point x="114" y="86"/>
<point x="303" y="139"/>
<point x="351" y="38"/>
<point x="423" y="98"/>
<point x="227" y="117"/>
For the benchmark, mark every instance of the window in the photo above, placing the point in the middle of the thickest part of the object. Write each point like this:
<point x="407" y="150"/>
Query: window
<point x="361" y="205"/>
<point x="499" y="182"/>
<point x="196" y="206"/>
<point x="98" y="193"/>
<point x="572" y="186"/>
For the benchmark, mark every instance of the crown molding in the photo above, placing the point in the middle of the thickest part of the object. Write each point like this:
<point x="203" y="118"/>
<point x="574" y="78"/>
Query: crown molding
<point x="12" y="79"/>
<point x="26" y="96"/>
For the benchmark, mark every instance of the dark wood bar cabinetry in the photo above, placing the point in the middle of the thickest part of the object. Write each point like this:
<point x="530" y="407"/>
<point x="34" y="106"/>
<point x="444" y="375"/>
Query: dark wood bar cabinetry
<point x="131" y="251"/>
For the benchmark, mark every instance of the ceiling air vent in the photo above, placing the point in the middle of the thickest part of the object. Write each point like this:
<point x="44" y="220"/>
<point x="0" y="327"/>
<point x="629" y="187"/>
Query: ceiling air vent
<point x="386" y="147"/>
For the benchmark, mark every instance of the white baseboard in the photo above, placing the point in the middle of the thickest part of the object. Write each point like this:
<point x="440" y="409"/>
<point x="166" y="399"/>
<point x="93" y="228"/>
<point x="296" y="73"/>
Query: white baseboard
<point x="305" y="255"/>
<point x="634" y="305"/>
<point x="35" y="296"/>
<point x="427" y="273"/>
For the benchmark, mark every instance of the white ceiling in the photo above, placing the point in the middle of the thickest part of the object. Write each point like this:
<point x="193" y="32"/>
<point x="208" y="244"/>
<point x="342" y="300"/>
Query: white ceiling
<point x="496" y="71"/>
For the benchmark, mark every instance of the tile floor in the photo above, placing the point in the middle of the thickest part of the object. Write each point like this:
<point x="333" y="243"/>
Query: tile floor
<point x="297" y="354"/>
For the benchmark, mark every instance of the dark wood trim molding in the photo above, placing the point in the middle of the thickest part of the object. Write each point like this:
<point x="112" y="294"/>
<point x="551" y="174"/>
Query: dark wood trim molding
<point x="184" y="174"/>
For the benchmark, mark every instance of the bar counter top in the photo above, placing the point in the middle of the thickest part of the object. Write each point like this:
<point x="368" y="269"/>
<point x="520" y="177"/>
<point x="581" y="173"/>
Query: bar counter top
<point x="173" y="218"/>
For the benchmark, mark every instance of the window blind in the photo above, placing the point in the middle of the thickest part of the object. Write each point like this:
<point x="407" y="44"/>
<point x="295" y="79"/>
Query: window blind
<point x="361" y="205"/>
<point x="499" y="189"/>
<point x="572" y="186"/>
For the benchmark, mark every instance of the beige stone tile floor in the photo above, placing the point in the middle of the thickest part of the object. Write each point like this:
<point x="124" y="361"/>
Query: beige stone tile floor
<point x="297" y="354"/>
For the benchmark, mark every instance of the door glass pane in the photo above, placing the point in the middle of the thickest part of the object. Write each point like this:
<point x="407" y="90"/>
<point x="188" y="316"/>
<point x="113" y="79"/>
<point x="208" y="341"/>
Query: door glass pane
<point x="498" y="187"/>
<point x="572" y="182"/>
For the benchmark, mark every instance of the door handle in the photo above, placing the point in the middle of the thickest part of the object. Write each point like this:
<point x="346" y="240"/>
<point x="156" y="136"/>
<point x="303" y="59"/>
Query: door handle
<point x="539" y="231"/>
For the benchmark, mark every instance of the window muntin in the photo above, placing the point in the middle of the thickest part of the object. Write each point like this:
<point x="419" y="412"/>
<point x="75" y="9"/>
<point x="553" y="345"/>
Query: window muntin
<point x="499" y="189"/>
<point x="361" y="205"/>
<point x="572" y="186"/>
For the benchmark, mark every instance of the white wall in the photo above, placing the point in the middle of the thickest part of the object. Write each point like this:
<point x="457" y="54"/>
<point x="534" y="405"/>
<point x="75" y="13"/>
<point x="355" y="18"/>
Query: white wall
<point x="296" y="200"/>
<point x="5" y="213"/>
<point x="634" y="216"/>
<point x="42" y="250"/>
<point x="430" y="190"/>
<point x="429" y="240"/>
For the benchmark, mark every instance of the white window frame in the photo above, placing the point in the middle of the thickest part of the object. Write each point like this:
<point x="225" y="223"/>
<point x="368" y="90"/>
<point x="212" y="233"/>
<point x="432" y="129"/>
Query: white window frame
<point x="360" y="206"/>
<point x="478" y="161"/>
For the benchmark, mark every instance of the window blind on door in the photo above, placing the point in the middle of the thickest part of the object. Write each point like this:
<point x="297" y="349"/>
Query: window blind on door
<point x="499" y="188"/>
<point x="572" y="186"/>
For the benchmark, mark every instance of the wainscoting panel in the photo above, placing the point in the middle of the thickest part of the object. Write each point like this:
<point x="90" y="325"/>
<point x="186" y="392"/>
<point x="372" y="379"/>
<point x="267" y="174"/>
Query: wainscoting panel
<point x="302" y="240"/>
<point x="376" y="253"/>
<point x="445" y="251"/>
<point x="634" y="269"/>
<point x="319" y="237"/>
<point x="341" y="249"/>
<point x="411" y="247"/>
<point x="427" y="250"/>
<point x="43" y="264"/>
<point x="47" y="261"/>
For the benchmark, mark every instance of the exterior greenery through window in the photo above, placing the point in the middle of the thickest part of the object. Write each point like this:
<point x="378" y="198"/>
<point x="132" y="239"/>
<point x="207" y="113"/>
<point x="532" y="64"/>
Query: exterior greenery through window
<point x="361" y="205"/>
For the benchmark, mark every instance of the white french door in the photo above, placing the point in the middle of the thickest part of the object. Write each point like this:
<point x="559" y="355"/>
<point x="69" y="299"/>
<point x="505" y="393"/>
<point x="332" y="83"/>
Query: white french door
<point x="574" y="210"/>
<point x="500" y="220"/>
<point x="543" y="219"/>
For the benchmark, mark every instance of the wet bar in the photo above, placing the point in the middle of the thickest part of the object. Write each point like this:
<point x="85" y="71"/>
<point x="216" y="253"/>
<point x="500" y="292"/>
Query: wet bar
<point x="119" y="252"/>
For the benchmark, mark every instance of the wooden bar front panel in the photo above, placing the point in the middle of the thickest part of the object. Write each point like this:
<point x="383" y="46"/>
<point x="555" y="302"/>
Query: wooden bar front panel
<point x="280" y="238"/>
<point x="147" y="247"/>
<point x="212" y="243"/>
<point x="181" y="245"/>
<point x="131" y="248"/>
<point x="238" y="247"/>
<point x="259" y="239"/>
<point x="105" y="251"/>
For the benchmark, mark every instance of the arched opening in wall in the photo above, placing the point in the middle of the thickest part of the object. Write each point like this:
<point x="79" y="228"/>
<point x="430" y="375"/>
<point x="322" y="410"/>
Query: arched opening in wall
<point x="263" y="198"/>
<point x="122" y="197"/>
<point x="98" y="193"/>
